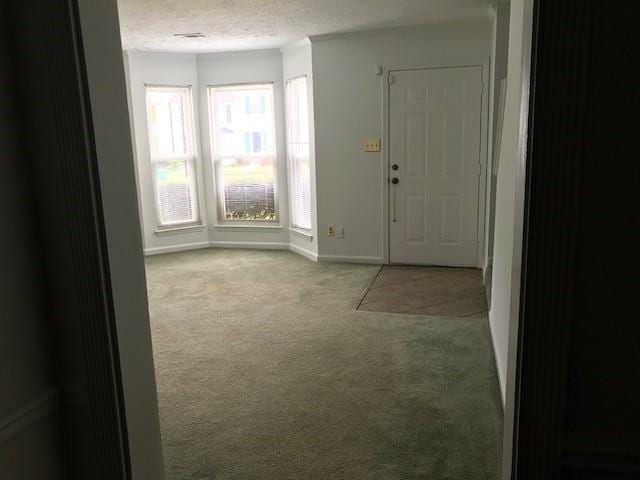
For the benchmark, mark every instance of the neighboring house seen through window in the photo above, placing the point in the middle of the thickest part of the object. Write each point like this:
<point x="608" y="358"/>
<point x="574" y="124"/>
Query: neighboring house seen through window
<point x="244" y="151"/>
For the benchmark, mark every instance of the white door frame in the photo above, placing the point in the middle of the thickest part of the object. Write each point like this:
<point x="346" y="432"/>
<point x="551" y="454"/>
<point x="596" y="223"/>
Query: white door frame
<point x="484" y="132"/>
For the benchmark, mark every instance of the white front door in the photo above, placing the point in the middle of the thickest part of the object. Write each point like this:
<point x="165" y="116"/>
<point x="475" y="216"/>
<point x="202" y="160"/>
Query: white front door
<point x="434" y="146"/>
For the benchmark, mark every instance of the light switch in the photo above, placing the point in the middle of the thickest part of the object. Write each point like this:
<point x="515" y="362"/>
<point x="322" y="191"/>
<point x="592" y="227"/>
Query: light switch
<point x="372" y="145"/>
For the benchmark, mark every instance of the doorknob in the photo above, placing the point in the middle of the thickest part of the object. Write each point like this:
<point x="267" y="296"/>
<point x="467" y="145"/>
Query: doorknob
<point x="395" y="180"/>
<point x="394" y="166"/>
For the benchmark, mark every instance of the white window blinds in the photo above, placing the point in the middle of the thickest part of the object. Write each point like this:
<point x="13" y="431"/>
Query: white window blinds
<point x="297" y="120"/>
<point x="172" y="155"/>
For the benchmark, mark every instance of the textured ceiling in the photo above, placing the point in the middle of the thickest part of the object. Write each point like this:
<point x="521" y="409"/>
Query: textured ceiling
<point x="255" y="24"/>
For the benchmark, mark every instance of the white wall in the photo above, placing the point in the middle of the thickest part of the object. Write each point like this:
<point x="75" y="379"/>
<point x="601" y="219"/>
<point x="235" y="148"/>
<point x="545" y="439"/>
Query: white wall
<point x="160" y="69"/>
<point x="296" y="62"/>
<point x="499" y="51"/>
<point x="508" y="229"/>
<point x="348" y="104"/>
<point x="507" y="251"/>
<point x="259" y="66"/>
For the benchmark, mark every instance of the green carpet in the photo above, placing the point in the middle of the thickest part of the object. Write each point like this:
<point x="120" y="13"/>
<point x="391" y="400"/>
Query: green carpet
<point x="265" y="370"/>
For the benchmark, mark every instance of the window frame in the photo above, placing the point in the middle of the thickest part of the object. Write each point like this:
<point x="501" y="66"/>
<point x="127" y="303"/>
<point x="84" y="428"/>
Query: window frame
<point x="218" y="179"/>
<point x="191" y="161"/>
<point x="291" y="159"/>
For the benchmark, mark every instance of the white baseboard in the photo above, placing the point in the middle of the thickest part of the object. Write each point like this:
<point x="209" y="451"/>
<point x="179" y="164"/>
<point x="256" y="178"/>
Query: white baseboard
<point x="487" y="265"/>
<point x="501" y="381"/>
<point x="304" y="252"/>
<point x="351" y="259"/>
<point x="266" y="246"/>
<point x="176" y="248"/>
<point x="256" y="245"/>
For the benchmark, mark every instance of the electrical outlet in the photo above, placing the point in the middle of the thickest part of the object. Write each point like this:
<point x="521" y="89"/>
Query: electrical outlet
<point x="371" y="145"/>
<point x="339" y="232"/>
<point x="331" y="231"/>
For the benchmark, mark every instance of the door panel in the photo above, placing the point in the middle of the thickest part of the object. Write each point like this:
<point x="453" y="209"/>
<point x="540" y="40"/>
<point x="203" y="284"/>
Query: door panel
<point x="416" y="208"/>
<point x="435" y="142"/>
<point x="451" y="220"/>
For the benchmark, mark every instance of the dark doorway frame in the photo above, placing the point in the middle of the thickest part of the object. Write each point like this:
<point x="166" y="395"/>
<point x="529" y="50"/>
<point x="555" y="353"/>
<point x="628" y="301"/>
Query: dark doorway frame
<point x="56" y="135"/>
<point x="574" y="410"/>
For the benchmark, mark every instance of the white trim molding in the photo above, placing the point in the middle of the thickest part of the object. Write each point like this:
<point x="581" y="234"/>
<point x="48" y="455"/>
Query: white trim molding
<point x="351" y="259"/>
<point x="255" y="245"/>
<point x="248" y="228"/>
<point x="161" y="232"/>
<point x="304" y="234"/>
<point x="498" y="363"/>
<point x="485" y="268"/>
<point x="28" y="414"/>
<point x="304" y="252"/>
<point x="176" y="248"/>
<point x="267" y="246"/>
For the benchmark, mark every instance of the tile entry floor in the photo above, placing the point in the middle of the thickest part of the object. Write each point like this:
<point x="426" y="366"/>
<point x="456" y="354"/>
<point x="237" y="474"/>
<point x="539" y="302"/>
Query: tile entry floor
<point x="437" y="291"/>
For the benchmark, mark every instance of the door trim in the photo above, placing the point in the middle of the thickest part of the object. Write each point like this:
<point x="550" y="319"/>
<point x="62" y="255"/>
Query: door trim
<point x="483" y="63"/>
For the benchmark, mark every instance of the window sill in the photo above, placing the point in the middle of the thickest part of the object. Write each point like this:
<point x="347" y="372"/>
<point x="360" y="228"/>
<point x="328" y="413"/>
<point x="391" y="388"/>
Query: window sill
<point x="176" y="230"/>
<point x="249" y="228"/>
<point x="305" y="234"/>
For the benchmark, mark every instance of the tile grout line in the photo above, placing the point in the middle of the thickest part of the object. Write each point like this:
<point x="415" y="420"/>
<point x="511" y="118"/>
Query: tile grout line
<point x="400" y="283"/>
<point x="475" y="313"/>
<point x="443" y="303"/>
<point x="369" y="287"/>
<point x="447" y="301"/>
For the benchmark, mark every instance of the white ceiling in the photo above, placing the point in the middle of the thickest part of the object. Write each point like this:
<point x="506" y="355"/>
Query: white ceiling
<point x="256" y="24"/>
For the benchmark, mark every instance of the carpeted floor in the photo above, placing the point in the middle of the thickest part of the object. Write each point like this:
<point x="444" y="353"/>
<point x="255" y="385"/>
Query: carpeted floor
<point x="265" y="370"/>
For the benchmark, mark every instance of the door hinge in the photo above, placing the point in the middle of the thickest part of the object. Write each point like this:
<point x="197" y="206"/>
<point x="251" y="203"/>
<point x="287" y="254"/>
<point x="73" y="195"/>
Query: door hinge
<point x="389" y="78"/>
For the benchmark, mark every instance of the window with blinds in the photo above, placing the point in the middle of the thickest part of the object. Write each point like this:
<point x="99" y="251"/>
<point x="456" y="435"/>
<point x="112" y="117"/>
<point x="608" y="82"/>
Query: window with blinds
<point x="172" y="155"/>
<point x="297" y="120"/>
<point x="244" y="151"/>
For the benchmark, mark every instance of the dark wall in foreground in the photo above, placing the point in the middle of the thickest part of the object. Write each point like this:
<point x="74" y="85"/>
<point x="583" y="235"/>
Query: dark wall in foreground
<point x="604" y="367"/>
<point x="31" y="441"/>
<point x="578" y="410"/>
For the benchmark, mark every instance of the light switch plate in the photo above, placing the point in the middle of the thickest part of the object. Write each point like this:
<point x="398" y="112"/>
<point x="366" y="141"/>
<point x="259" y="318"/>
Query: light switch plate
<point x="372" y="145"/>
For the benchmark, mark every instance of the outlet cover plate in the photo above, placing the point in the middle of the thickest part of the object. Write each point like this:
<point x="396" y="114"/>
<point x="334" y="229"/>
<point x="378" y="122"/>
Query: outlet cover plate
<point x="371" y="145"/>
